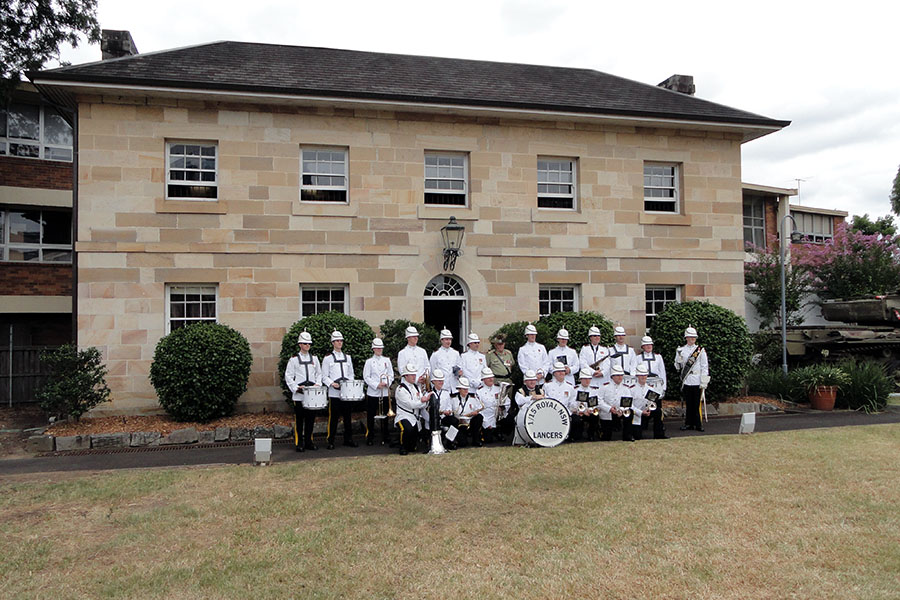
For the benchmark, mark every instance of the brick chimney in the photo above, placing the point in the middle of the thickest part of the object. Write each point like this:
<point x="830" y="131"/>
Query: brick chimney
<point x="683" y="84"/>
<point x="116" y="44"/>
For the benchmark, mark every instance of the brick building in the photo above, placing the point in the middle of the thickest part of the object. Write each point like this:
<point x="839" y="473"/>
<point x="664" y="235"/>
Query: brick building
<point x="253" y="184"/>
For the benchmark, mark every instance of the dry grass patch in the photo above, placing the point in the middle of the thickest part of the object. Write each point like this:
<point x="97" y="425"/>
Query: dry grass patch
<point x="809" y="514"/>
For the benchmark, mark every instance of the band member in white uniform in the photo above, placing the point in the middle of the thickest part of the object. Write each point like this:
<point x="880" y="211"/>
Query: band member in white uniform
<point x="472" y="362"/>
<point x="567" y="356"/>
<point x="692" y="363"/>
<point x="467" y="407"/>
<point x="640" y="392"/>
<point x="656" y="371"/>
<point x="446" y="358"/>
<point x="560" y="389"/>
<point x="378" y="374"/>
<point x="529" y="392"/>
<point x="303" y="371"/>
<point x="617" y="395"/>
<point x="409" y="404"/>
<point x="413" y="354"/>
<point x="532" y="355"/>
<point x="587" y="407"/>
<point x="620" y="353"/>
<point x="495" y="407"/>
<point x="444" y="397"/>
<point x="337" y="368"/>
<point x="595" y="357"/>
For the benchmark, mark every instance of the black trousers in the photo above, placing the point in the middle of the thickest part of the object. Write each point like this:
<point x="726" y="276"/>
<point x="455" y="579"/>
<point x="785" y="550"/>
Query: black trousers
<point x="506" y="425"/>
<point x="576" y="430"/>
<point x="372" y="409"/>
<point x="637" y="431"/>
<point x="627" y="428"/>
<point x="659" y="428"/>
<point x="606" y="430"/>
<point x="304" y="421"/>
<point x="338" y="408"/>
<point x="691" y="395"/>
<point x="592" y="424"/>
<point x="471" y="433"/>
<point x="409" y="436"/>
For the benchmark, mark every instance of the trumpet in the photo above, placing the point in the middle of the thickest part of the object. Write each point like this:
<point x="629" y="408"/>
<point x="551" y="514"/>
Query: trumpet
<point x="625" y="411"/>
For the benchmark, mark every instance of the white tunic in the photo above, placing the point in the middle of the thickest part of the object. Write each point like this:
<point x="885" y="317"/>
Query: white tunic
<point x="591" y="398"/>
<point x="625" y="358"/>
<point x="409" y="402"/>
<point x="562" y="391"/>
<point x="336" y="367"/>
<point x="302" y="369"/>
<point x="534" y="356"/>
<point x="413" y="355"/>
<point x="376" y="370"/>
<point x="700" y="366"/>
<point x="445" y="398"/>
<point x="571" y="361"/>
<point x="490" y="397"/>
<point x="655" y="366"/>
<point x="612" y="398"/>
<point x="463" y="406"/>
<point x="472" y="362"/>
<point x="590" y="355"/>
<point x="639" y="396"/>
<point x="447" y="360"/>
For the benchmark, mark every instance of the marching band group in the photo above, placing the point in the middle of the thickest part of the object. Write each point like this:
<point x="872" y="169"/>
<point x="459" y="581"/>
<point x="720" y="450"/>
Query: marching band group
<point x="469" y="397"/>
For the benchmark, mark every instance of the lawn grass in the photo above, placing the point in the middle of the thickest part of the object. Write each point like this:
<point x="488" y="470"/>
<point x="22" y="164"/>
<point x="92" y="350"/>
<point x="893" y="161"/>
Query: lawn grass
<point x="800" y="514"/>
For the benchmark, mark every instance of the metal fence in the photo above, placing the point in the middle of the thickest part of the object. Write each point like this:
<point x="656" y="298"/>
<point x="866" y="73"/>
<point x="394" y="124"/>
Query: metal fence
<point x="21" y="374"/>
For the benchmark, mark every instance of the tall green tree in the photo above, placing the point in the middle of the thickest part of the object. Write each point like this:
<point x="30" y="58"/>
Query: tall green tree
<point x="883" y="225"/>
<point x="895" y="194"/>
<point x="32" y="31"/>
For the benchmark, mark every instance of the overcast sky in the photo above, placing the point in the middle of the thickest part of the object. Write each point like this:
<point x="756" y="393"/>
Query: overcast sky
<point x="830" y="68"/>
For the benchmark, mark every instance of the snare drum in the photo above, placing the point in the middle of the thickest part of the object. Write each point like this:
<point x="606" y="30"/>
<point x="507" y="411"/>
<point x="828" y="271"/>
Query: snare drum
<point x="545" y="422"/>
<point x="353" y="391"/>
<point x="315" y="398"/>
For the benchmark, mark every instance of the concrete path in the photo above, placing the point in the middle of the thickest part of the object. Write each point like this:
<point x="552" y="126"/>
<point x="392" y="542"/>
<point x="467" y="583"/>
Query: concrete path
<point x="283" y="451"/>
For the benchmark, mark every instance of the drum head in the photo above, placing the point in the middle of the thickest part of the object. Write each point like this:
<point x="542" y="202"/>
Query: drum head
<point x="544" y="423"/>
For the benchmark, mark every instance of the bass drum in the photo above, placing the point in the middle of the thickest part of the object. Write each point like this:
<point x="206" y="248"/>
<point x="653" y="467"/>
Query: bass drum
<point x="545" y="423"/>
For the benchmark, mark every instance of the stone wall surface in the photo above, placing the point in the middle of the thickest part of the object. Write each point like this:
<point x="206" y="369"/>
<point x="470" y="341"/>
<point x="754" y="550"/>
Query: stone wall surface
<point x="259" y="242"/>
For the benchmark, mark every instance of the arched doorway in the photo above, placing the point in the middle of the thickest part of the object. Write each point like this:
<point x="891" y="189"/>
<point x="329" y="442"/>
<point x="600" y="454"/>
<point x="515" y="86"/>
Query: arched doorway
<point x="446" y="306"/>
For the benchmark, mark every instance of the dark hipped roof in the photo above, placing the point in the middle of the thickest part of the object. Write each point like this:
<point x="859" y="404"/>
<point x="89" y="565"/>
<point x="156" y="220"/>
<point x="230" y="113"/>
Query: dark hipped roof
<point x="306" y="71"/>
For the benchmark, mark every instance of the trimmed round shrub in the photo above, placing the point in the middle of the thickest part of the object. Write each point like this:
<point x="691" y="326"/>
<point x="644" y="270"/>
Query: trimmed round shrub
<point x="357" y="341"/>
<point x="200" y="371"/>
<point x="393" y="334"/>
<point x="577" y="324"/>
<point x="720" y="331"/>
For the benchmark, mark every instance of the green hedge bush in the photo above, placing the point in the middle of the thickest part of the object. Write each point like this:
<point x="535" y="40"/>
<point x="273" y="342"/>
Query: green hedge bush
<point x="868" y="387"/>
<point x="200" y="371"/>
<point x="721" y="332"/>
<point x="772" y="381"/>
<point x="577" y="324"/>
<point x="77" y="381"/>
<point x="393" y="334"/>
<point x="357" y="341"/>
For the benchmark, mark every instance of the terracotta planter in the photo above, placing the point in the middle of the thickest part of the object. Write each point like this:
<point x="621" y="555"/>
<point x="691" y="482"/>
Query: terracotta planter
<point x="822" y="397"/>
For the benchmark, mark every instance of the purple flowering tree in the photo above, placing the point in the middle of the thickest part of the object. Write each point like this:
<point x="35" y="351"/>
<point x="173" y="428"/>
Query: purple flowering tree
<point x="851" y="264"/>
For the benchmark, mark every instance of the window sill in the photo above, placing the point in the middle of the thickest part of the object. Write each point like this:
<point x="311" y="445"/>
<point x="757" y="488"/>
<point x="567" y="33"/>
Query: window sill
<point x="664" y="219"/>
<point x="324" y="209"/>
<point x="557" y="215"/>
<point x="208" y="207"/>
<point x="445" y="211"/>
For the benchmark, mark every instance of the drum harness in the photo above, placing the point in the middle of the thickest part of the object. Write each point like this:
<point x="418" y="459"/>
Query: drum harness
<point x="618" y="354"/>
<point x="305" y="364"/>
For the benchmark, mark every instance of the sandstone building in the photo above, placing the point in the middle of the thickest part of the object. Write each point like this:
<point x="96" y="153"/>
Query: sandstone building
<point x="253" y="184"/>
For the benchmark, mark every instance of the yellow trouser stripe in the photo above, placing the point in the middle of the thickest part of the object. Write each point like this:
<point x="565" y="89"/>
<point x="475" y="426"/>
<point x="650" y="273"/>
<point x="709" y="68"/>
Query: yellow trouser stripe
<point x="296" y="436"/>
<point x="401" y="433"/>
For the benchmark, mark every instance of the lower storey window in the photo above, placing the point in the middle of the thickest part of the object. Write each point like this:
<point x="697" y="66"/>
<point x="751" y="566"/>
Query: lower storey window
<point x="191" y="303"/>
<point x="321" y="298"/>
<point x="557" y="298"/>
<point x="36" y="236"/>
<point x="658" y="298"/>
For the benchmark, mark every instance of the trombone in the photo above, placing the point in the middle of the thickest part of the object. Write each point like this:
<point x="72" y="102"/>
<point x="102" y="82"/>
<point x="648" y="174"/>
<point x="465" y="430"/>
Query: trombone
<point x="385" y="395"/>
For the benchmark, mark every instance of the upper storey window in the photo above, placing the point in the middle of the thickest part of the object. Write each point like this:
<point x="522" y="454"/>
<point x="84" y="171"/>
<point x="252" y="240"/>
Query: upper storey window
<point x="192" y="172"/>
<point x="323" y="175"/>
<point x="661" y="193"/>
<point x="446" y="176"/>
<point x="34" y="131"/>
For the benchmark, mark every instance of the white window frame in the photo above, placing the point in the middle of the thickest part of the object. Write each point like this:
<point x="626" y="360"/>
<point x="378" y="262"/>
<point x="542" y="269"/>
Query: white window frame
<point x="41" y="247"/>
<point x="464" y="192"/>
<point x="344" y="287"/>
<point x="191" y="183"/>
<point x="549" y="288"/>
<point x="572" y="195"/>
<point x="188" y="288"/>
<point x="812" y="232"/>
<point x="45" y="148"/>
<point x="344" y="187"/>
<point x="650" y="311"/>
<point x="756" y="223"/>
<point x="675" y="188"/>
